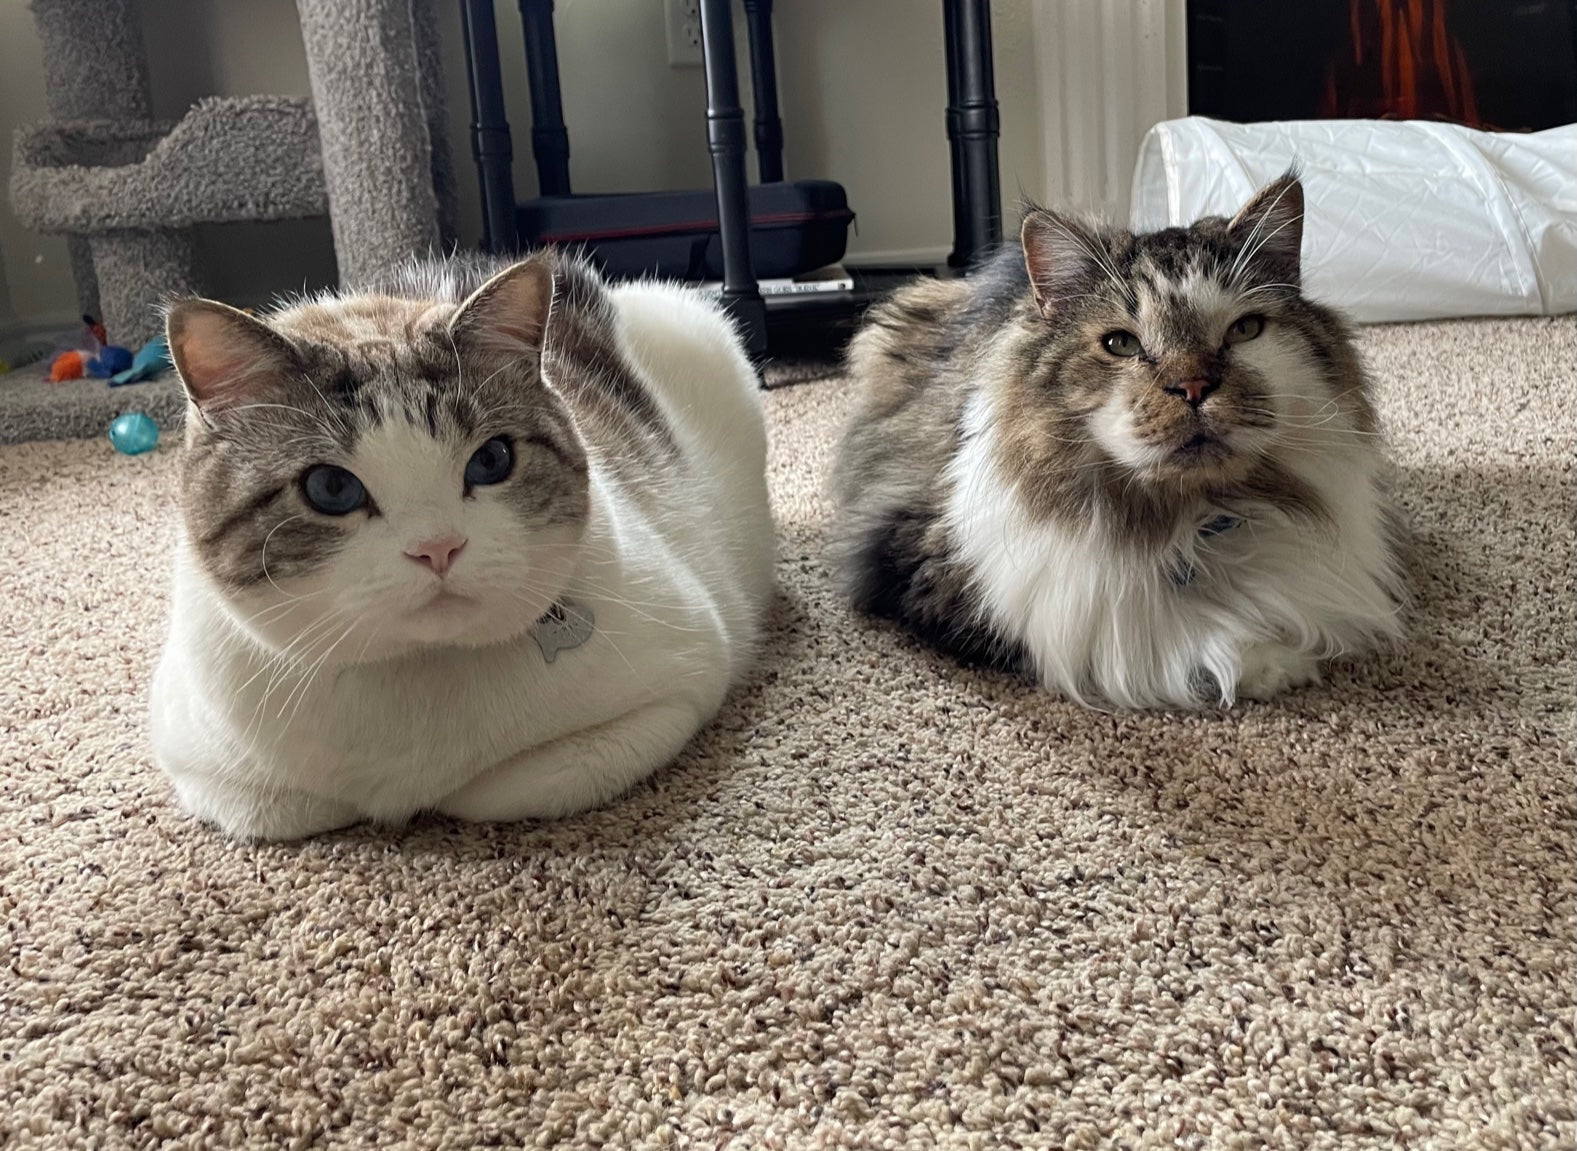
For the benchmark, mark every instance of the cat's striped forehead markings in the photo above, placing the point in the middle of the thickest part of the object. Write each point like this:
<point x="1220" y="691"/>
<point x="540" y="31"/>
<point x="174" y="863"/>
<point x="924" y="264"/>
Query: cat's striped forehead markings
<point x="359" y="319"/>
<point x="378" y="378"/>
<point x="1190" y="313"/>
<point x="385" y="358"/>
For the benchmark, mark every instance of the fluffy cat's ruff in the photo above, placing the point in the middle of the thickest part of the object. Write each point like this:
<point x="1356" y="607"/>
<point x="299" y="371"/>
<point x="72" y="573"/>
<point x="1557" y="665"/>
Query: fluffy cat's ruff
<point x="639" y="497"/>
<point x="1013" y="492"/>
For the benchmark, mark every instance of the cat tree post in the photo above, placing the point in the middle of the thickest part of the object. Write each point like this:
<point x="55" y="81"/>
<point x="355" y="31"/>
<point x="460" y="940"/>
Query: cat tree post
<point x="429" y="60"/>
<point x="129" y="190"/>
<point x="365" y="60"/>
<point x="94" y="69"/>
<point x="147" y="264"/>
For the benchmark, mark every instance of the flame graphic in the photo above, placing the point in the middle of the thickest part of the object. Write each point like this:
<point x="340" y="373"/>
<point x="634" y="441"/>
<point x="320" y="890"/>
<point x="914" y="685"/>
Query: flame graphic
<point x="1405" y="64"/>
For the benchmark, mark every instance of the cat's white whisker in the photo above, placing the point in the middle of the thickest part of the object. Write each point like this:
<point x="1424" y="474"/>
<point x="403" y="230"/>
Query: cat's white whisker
<point x="1089" y="249"/>
<point x="293" y="655"/>
<point x="1264" y="213"/>
<point x="263" y="554"/>
<point x="314" y="671"/>
<point x="486" y="380"/>
<point x="273" y="612"/>
<point x="331" y="412"/>
<point x="276" y="664"/>
<point x="1248" y="254"/>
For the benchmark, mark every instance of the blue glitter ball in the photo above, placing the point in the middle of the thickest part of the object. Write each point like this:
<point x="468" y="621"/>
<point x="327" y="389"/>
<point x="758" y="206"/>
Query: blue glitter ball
<point x="134" y="433"/>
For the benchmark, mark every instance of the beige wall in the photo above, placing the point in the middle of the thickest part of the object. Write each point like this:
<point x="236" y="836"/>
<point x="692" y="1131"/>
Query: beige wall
<point x="34" y="277"/>
<point x="864" y="88"/>
<point x="861" y="82"/>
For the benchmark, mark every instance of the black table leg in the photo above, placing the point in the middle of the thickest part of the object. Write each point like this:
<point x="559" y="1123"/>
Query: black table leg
<point x="725" y="130"/>
<point x="955" y="143"/>
<point x="973" y="125"/>
<point x="549" y="139"/>
<point x="490" y="142"/>
<point x="764" y="79"/>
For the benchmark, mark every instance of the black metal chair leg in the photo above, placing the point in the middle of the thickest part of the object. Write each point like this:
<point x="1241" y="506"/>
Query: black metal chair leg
<point x="974" y="123"/>
<point x="764" y="80"/>
<point x="955" y="144"/>
<point x="490" y="141"/>
<point x="549" y="139"/>
<point x="725" y="130"/>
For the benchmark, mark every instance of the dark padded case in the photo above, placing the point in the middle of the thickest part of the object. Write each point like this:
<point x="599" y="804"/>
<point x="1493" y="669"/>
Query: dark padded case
<point x="795" y="227"/>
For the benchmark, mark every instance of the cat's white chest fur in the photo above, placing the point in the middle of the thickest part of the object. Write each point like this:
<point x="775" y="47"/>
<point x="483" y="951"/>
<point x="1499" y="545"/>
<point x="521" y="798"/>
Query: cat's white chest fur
<point x="1244" y="612"/>
<point x="673" y="591"/>
<point x="397" y="736"/>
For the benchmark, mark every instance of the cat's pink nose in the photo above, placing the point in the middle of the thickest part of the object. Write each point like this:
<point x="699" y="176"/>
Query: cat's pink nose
<point x="1193" y="391"/>
<point x="437" y="553"/>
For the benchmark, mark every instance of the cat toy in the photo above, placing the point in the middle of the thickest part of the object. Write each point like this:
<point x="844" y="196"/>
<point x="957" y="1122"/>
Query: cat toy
<point x="152" y="359"/>
<point x="94" y="356"/>
<point x="66" y="366"/>
<point x="133" y="433"/>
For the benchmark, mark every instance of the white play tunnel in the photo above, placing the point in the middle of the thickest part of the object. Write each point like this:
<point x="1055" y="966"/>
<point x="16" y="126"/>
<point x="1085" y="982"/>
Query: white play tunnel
<point x="1405" y="220"/>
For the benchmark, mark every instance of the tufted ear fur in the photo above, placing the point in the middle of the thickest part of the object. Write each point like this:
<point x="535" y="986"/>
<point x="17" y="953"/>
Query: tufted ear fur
<point x="1063" y="256"/>
<point x="225" y="357"/>
<point x="509" y="314"/>
<point x="1270" y="229"/>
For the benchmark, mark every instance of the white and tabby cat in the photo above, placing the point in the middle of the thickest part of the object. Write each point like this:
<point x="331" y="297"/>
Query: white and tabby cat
<point x="1144" y="468"/>
<point x="492" y="541"/>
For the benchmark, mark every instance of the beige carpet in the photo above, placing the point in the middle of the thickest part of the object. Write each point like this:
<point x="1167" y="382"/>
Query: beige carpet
<point x="883" y="903"/>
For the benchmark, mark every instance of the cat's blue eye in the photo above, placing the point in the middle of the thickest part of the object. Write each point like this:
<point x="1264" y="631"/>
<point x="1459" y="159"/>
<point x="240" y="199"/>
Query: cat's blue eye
<point x="1122" y="344"/>
<point x="1248" y="328"/>
<point x="490" y="464"/>
<point x="332" y="490"/>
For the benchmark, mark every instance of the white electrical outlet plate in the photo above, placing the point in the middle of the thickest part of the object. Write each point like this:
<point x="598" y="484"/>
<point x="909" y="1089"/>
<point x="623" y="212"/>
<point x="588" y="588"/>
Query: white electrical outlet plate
<point x="683" y="21"/>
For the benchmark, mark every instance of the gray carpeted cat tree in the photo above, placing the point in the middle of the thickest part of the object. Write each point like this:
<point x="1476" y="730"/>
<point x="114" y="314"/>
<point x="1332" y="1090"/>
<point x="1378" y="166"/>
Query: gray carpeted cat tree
<point x="369" y="149"/>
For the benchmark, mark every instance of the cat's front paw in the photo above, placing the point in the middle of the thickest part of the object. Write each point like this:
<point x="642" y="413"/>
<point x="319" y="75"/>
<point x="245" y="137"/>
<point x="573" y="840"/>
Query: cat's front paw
<point x="254" y="814"/>
<point x="1268" y="671"/>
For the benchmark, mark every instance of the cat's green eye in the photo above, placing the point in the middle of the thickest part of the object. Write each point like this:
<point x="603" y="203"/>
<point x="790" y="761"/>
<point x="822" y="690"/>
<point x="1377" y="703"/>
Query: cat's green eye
<point x="1248" y="328"/>
<point x="1122" y="343"/>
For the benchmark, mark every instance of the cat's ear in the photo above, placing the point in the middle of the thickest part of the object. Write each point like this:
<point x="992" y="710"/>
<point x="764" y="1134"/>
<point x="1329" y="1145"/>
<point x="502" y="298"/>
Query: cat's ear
<point x="509" y="313"/>
<point x="1063" y="255"/>
<point x="224" y="356"/>
<point x="1270" y="228"/>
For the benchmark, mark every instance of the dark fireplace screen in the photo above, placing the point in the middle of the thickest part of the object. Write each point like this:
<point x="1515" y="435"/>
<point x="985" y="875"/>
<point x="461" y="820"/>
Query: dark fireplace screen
<point x="1500" y="65"/>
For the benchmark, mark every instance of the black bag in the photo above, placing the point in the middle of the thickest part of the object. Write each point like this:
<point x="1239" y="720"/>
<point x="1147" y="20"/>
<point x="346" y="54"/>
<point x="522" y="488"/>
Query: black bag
<point x="795" y="228"/>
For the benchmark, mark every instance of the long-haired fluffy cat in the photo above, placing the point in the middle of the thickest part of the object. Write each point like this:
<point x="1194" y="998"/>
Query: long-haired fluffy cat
<point x="492" y="541"/>
<point x="1145" y="468"/>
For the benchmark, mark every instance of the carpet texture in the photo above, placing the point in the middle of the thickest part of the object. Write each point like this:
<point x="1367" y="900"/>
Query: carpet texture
<point x="882" y="902"/>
